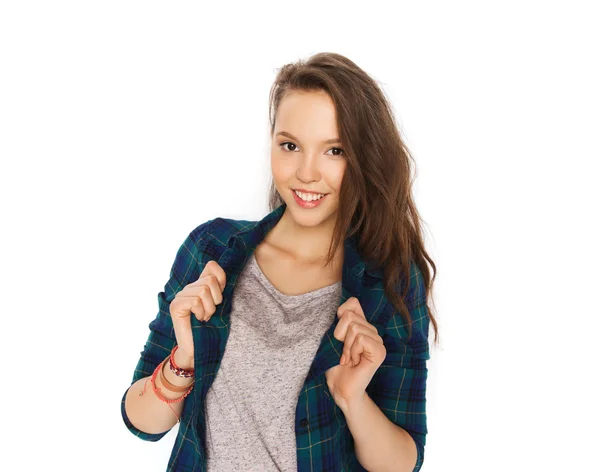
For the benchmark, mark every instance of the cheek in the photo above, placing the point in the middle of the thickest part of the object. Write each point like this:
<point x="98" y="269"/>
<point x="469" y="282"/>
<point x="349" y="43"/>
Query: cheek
<point x="336" y="175"/>
<point x="282" y="169"/>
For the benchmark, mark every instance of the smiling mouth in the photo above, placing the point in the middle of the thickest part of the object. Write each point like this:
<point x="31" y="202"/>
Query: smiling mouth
<point x="308" y="203"/>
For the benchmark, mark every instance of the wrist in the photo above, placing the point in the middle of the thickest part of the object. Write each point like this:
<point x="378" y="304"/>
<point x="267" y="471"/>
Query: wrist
<point x="183" y="361"/>
<point x="175" y="379"/>
<point x="174" y="387"/>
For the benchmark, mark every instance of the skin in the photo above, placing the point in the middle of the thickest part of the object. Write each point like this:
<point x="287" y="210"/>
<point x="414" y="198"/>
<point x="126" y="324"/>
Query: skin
<point x="306" y="162"/>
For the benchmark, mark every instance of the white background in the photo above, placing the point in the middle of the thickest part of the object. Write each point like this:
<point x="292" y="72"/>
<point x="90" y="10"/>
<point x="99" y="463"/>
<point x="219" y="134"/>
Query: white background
<point x="124" y="125"/>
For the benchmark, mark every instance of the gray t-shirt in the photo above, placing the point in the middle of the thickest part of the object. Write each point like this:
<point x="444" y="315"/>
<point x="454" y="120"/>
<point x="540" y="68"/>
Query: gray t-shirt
<point x="251" y="405"/>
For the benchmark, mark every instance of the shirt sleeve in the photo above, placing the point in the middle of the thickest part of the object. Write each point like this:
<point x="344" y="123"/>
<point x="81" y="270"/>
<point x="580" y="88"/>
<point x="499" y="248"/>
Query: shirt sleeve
<point x="398" y="386"/>
<point x="161" y="340"/>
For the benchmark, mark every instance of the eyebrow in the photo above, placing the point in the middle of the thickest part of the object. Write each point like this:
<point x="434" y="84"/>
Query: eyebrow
<point x="291" y="136"/>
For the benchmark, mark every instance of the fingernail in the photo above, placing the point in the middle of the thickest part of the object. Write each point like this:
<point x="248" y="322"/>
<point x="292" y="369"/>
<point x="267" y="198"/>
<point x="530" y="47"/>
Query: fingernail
<point x="343" y="359"/>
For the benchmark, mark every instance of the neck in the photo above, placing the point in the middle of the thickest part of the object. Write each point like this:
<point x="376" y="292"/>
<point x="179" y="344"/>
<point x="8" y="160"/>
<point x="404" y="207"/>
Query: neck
<point x="305" y="244"/>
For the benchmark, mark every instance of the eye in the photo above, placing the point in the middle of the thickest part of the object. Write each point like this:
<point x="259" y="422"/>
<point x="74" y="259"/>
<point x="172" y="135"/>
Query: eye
<point x="284" y="143"/>
<point x="341" y="151"/>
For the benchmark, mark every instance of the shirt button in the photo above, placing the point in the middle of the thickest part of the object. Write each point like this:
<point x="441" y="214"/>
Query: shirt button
<point x="303" y="422"/>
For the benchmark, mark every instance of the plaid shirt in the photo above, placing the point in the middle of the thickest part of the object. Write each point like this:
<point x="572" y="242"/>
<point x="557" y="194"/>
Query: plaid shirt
<point x="323" y="440"/>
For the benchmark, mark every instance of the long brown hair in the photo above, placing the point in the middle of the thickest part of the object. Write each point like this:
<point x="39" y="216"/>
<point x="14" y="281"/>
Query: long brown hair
<point x="376" y="200"/>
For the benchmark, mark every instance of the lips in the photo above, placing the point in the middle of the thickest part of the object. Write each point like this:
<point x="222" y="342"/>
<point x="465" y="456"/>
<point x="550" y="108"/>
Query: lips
<point x="308" y="204"/>
<point x="308" y="192"/>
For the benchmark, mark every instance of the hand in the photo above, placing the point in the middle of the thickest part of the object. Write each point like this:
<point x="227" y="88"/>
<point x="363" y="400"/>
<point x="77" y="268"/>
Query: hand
<point x="199" y="297"/>
<point x="362" y="355"/>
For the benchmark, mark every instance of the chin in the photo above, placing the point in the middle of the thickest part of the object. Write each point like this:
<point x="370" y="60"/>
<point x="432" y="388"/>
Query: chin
<point x="308" y="222"/>
<point x="308" y="219"/>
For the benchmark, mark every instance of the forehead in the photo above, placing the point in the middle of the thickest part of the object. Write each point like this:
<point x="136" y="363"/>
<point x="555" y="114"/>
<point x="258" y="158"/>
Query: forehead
<point x="309" y="113"/>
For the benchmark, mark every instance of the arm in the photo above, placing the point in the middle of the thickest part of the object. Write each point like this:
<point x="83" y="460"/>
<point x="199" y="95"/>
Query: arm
<point x="380" y="445"/>
<point x="398" y="390"/>
<point x="146" y="416"/>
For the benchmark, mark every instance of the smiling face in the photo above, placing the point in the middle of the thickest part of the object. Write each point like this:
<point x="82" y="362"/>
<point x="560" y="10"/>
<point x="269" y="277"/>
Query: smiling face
<point x="306" y="154"/>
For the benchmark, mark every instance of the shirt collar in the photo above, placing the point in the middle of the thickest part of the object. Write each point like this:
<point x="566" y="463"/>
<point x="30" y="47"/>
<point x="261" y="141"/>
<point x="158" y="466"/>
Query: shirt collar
<point x="252" y="234"/>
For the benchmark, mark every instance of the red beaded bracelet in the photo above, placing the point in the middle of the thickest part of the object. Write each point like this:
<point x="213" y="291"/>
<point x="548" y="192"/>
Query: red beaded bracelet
<point x="178" y="371"/>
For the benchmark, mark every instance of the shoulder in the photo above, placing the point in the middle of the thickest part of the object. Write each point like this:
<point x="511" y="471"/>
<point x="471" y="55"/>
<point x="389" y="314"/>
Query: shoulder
<point x="217" y="231"/>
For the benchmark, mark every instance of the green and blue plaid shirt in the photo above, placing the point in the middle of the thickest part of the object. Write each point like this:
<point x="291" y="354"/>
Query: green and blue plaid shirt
<point x="323" y="439"/>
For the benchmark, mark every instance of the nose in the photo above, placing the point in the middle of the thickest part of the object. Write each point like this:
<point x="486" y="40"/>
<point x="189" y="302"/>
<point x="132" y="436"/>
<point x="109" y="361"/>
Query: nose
<point x="308" y="168"/>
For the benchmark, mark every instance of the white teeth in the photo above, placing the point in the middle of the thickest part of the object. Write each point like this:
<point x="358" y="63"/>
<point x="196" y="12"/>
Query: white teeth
<point x="309" y="197"/>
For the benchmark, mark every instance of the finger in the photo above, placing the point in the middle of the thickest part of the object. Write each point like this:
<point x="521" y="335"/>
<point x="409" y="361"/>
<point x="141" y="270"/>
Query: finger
<point x="205" y="294"/>
<point x="213" y="267"/>
<point x="348" y="317"/>
<point x="192" y="304"/>
<point x="351" y="304"/>
<point x="367" y="347"/>
<point x="184" y="304"/>
<point x="213" y="283"/>
<point x="199" y="300"/>
<point x="353" y="331"/>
